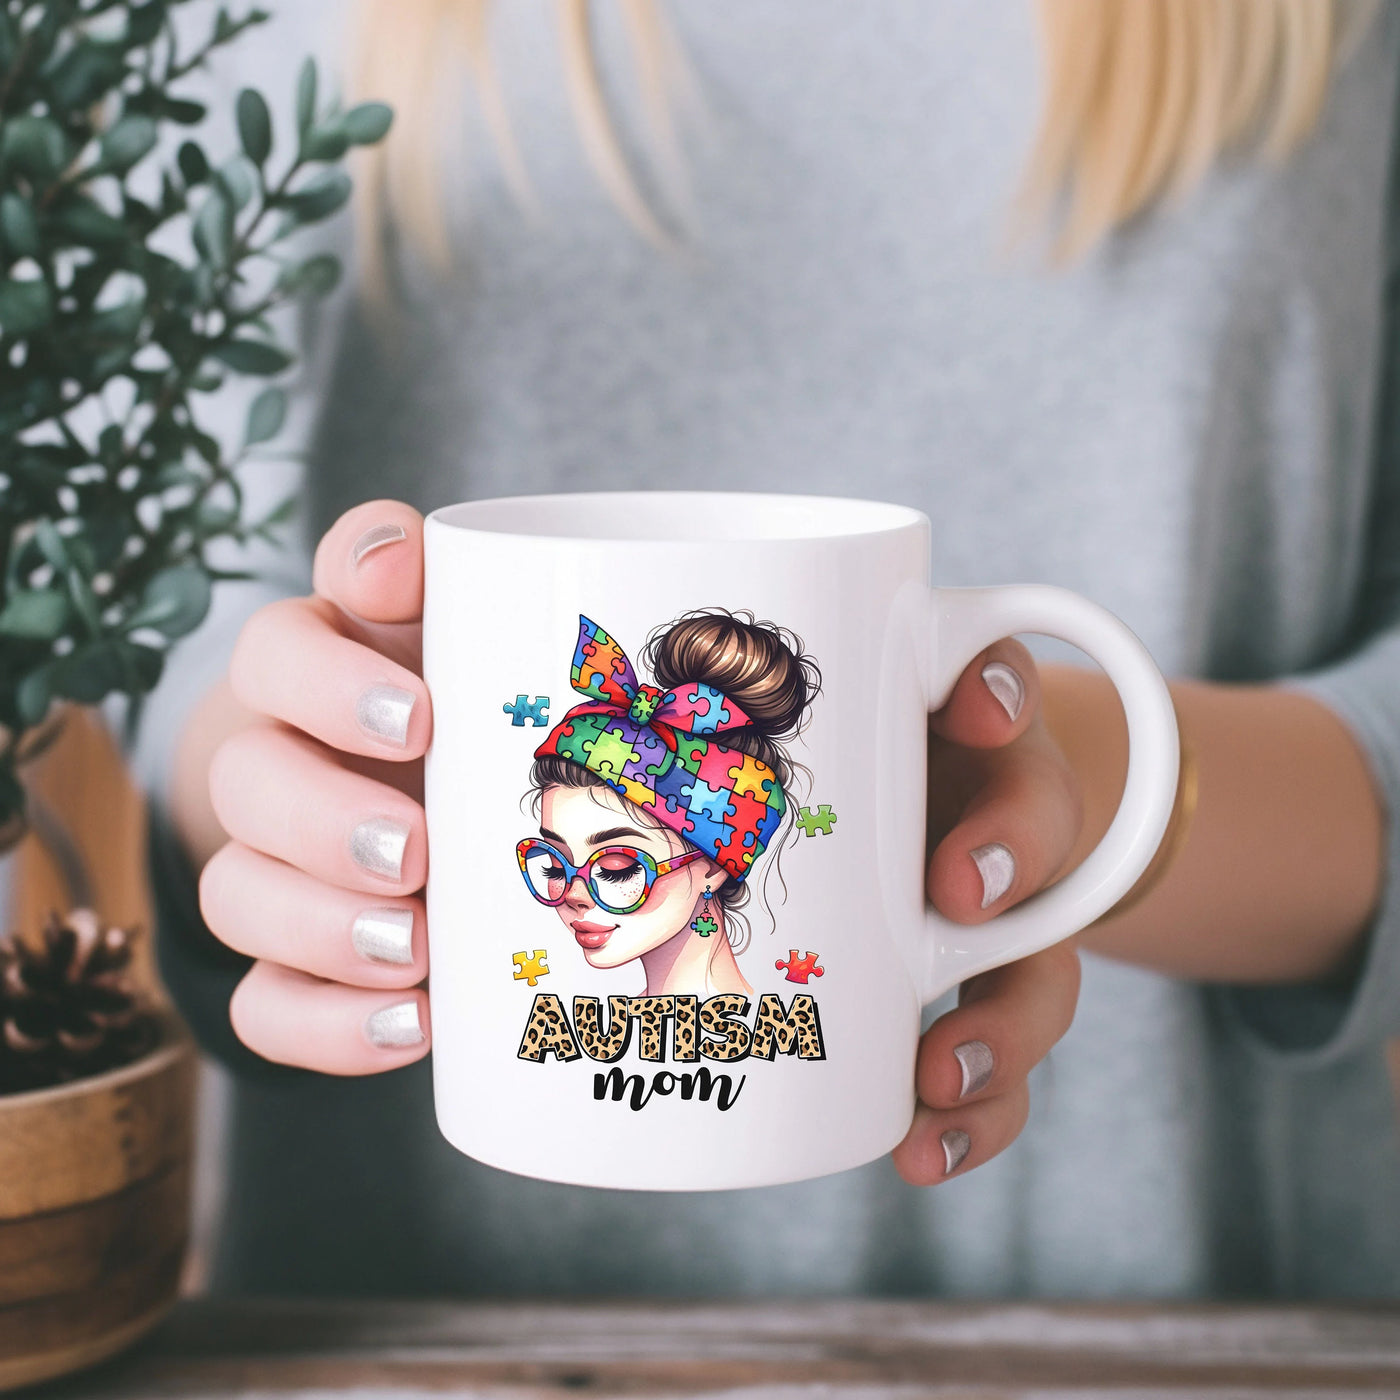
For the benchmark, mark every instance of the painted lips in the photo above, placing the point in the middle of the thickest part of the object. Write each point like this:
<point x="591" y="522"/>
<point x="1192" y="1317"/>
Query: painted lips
<point x="591" y="935"/>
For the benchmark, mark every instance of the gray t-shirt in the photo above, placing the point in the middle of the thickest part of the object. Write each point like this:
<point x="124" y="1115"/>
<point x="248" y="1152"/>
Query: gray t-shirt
<point x="1187" y="427"/>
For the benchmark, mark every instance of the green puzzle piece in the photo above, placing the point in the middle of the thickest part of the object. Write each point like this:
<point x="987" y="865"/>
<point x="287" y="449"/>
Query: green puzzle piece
<point x="609" y="753"/>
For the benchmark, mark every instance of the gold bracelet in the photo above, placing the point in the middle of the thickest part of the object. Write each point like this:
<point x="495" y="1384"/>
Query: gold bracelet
<point x="1173" y="839"/>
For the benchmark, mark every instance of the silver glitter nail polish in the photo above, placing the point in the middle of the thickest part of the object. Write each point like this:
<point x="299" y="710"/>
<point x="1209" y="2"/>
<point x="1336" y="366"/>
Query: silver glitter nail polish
<point x="975" y="1057"/>
<point x="384" y="711"/>
<point x="384" y="936"/>
<point x="956" y="1146"/>
<point x="393" y="1027"/>
<point x="997" y="867"/>
<point x="376" y="537"/>
<point x="377" y="846"/>
<point x="1006" y="685"/>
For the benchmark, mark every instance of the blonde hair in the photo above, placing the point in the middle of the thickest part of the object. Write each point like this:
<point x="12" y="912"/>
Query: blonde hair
<point x="1141" y="98"/>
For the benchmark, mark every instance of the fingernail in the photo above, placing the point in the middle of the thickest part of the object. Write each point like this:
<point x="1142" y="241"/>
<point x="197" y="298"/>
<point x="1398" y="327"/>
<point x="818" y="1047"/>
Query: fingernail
<point x="393" y="1027"/>
<point x="386" y="936"/>
<point x="383" y="711"/>
<point x="956" y="1145"/>
<point x="975" y="1057"/>
<point x="376" y="537"/>
<point x="997" y="867"/>
<point x="1006" y="685"/>
<point x="378" y="846"/>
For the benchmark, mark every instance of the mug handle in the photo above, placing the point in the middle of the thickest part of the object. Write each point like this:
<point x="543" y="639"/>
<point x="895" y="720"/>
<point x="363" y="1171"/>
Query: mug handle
<point x="964" y="621"/>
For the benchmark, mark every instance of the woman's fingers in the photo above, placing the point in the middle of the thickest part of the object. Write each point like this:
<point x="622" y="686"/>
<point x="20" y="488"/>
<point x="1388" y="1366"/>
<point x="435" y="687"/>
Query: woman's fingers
<point x="295" y="920"/>
<point x="1014" y="834"/>
<point x="285" y="796"/>
<point x="1007" y="1021"/>
<point x="974" y="1062"/>
<point x="995" y="700"/>
<point x="295" y="1019"/>
<point x="939" y="1145"/>
<point x="293" y="664"/>
<point x="324" y="860"/>
<point x="1002" y="795"/>
<point x="370" y="563"/>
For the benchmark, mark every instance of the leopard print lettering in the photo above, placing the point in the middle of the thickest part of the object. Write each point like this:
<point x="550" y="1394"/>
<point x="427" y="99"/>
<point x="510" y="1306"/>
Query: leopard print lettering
<point x="685" y="1039"/>
<point x="798" y="1029"/>
<point x="651" y="1013"/>
<point x="717" y="1017"/>
<point x="546" y="1030"/>
<point x="596" y="1045"/>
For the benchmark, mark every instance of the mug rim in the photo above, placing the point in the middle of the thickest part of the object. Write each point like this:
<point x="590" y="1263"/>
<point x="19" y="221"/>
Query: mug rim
<point x="661" y="517"/>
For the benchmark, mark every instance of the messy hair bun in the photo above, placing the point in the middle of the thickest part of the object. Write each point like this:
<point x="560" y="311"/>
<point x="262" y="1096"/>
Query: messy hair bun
<point x="760" y="666"/>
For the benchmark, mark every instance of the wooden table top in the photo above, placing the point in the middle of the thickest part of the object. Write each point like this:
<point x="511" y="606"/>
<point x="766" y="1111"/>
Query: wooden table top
<point x="210" y="1349"/>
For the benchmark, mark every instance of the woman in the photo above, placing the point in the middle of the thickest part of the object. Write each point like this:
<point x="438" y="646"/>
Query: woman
<point x="1187" y="419"/>
<point x="717" y="674"/>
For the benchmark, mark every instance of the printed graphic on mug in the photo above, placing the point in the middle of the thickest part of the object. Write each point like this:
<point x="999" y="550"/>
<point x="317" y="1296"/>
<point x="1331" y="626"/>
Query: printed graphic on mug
<point x="659" y="803"/>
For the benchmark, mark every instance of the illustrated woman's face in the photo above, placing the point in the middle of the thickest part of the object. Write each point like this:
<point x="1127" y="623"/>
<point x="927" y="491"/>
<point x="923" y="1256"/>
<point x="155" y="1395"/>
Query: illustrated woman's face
<point x="581" y="821"/>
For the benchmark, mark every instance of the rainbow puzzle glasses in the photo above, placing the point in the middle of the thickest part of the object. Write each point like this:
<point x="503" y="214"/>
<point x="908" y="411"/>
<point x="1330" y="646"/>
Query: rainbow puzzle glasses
<point x="618" y="877"/>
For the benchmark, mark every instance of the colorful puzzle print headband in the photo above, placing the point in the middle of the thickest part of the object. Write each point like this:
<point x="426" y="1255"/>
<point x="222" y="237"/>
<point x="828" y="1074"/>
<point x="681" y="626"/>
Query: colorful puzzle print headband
<point x="655" y="748"/>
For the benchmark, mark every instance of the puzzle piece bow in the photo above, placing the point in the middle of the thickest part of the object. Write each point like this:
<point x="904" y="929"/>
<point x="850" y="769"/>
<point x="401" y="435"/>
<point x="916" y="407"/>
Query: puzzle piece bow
<point x="656" y="748"/>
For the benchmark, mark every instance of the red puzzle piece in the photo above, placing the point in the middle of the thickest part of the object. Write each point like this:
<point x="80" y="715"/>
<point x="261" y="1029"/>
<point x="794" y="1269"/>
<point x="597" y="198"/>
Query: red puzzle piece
<point x="800" y="969"/>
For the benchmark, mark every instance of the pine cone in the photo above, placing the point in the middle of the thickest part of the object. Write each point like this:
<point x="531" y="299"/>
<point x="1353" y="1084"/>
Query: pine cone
<point x="68" y="1009"/>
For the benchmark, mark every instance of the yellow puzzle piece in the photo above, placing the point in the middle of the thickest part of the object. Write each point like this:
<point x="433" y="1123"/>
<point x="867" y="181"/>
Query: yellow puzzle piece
<point x="530" y="969"/>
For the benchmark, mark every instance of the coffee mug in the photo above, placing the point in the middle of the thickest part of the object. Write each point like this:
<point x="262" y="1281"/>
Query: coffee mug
<point x="676" y="808"/>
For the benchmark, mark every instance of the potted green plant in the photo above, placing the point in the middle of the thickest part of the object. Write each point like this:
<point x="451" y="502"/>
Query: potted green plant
<point x="138" y="272"/>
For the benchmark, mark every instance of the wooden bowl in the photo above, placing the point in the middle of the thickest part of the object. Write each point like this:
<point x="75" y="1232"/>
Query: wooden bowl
<point x="94" y="1211"/>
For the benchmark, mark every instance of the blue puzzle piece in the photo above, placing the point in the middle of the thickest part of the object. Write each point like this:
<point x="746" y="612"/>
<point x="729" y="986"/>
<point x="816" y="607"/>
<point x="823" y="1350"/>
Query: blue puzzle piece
<point x="669" y="786"/>
<point x="714" y="802"/>
<point x="707" y="833"/>
<point x="709" y="714"/>
<point x="524" y="709"/>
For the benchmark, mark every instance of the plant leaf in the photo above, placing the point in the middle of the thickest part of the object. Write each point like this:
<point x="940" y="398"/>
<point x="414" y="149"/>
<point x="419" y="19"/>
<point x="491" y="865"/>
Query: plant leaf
<point x="182" y="110"/>
<point x="32" y="695"/>
<point x="35" y="145"/>
<point x="251" y="356"/>
<point x="306" y="97"/>
<point x="174" y="602"/>
<point x="127" y="142"/>
<point x="213" y="229"/>
<point x="237" y="182"/>
<point x="254" y="126"/>
<point x="315" y="277"/>
<point x="143" y="23"/>
<point x="18" y="225"/>
<point x="84" y="601"/>
<point x="85" y="72"/>
<point x="327" y="142"/>
<point x="93" y="672"/>
<point x="87" y="224"/>
<point x="319" y="198"/>
<point x="37" y="615"/>
<point x="266" y="415"/>
<point x="25" y="307"/>
<point x="194" y="164"/>
<point x="367" y="123"/>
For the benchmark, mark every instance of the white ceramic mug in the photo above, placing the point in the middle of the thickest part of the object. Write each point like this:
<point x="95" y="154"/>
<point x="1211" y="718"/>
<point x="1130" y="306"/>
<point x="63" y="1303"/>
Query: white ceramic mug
<point x="577" y="1038"/>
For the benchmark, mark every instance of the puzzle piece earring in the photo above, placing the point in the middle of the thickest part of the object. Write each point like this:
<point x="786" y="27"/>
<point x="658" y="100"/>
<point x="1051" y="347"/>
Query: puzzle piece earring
<point x="704" y="924"/>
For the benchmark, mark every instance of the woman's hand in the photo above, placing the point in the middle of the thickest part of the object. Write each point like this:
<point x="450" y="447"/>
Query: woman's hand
<point x="1008" y="810"/>
<point x="321" y="796"/>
